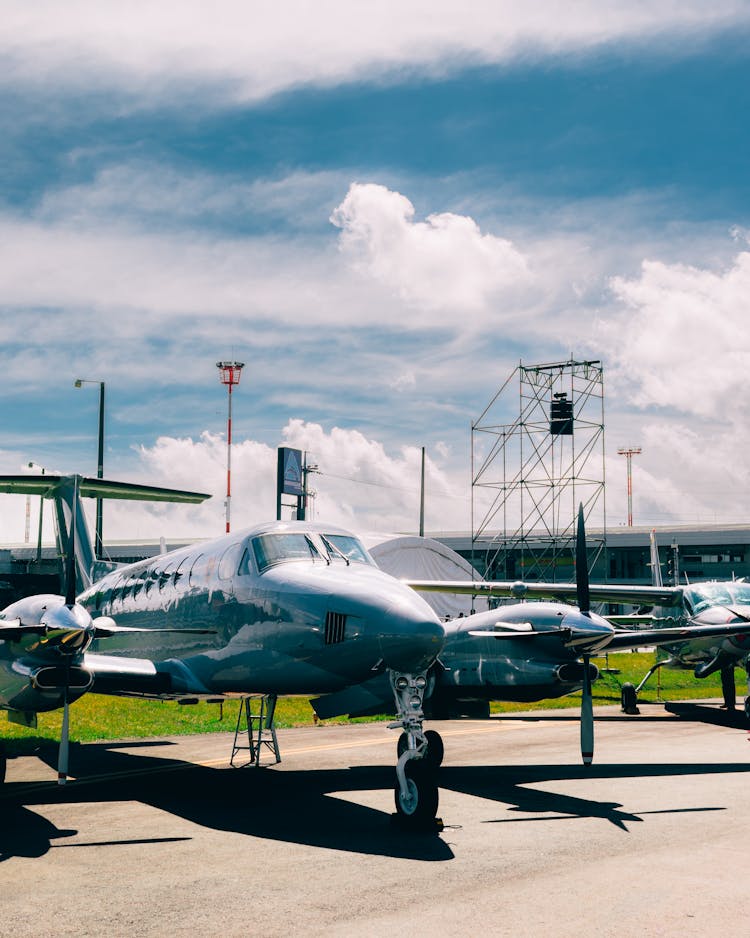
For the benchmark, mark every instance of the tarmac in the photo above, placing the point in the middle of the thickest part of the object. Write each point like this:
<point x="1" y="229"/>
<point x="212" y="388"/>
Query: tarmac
<point x="162" y="837"/>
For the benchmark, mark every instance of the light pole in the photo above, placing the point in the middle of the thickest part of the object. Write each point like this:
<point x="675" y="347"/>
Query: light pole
<point x="33" y="465"/>
<point x="79" y="383"/>
<point x="229" y="375"/>
<point x="629" y="452"/>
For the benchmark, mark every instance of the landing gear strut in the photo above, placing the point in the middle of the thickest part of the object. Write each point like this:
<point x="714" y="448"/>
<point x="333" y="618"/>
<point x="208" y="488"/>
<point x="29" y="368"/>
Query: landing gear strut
<point x="629" y="699"/>
<point x="434" y="750"/>
<point x="416" y="792"/>
<point x="728" y="691"/>
<point x="629" y="694"/>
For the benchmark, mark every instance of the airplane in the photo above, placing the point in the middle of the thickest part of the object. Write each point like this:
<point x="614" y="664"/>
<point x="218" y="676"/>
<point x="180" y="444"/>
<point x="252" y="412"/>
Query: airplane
<point x="700" y="603"/>
<point x="528" y="650"/>
<point x="283" y="608"/>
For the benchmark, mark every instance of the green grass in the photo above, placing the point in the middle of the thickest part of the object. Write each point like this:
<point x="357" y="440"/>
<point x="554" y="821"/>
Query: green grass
<point x="96" y="717"/>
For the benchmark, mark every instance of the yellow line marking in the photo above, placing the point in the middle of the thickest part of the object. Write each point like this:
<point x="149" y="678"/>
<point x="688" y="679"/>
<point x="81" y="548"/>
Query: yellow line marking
<point x="473" y="728"/>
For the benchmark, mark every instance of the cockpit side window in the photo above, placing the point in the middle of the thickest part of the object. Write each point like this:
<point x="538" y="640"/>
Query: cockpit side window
<point x="246" y="566"/>
<point x="704" y="595"/>
<point x="741" y="593"/>
<point x="349" y="546"/>
<point x="279" y="547"/>
<point x="229" y="562"/>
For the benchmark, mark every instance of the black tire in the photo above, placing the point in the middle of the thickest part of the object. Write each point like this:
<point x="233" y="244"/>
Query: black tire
<point x="420" y="811"/>
<point x="434" y="752"/>
<point x="435" y="749"/>
<point x="629" y="699"/>
<point x="3" y="762"/>
<point x="747" y="709"/>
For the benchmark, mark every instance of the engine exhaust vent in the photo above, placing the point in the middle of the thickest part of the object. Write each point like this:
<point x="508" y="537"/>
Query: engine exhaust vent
<point x="55" y="678"/>
<point x="335" y="628"/>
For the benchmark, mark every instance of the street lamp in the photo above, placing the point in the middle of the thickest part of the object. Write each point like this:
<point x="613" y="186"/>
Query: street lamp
<point x="229" y="375"/>
<point x="628" y="453"/>
<point x="78" y="383"/>
<point x="34" y="465"/>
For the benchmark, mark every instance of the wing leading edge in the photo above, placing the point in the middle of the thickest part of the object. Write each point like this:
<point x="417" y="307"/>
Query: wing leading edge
<point x="565" y="592"/>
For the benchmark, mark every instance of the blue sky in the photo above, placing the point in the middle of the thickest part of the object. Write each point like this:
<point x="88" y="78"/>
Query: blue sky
<point x="381" y="218"/>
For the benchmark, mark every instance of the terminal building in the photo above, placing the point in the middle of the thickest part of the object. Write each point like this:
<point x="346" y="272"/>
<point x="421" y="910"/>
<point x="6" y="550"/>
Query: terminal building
<point x="697" y="552"/>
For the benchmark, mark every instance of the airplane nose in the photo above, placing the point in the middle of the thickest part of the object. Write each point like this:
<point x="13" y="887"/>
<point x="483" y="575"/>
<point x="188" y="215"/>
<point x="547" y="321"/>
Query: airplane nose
<point x="410" y="636"/>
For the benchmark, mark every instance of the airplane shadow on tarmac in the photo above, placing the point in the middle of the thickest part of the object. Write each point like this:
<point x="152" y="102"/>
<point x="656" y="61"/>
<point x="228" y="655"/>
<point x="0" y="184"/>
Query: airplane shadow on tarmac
<point x="300" y="806"/>
<point x="508" y="784"/>
<point x="293" y="806"/>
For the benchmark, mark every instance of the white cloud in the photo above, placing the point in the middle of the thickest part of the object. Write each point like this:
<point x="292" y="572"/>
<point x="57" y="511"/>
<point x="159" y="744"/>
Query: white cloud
<point x="444" y="263"/>
<point x="361" y="485"/>
<point x="248" y="51"/>
<point x="142" y="193"/>
<point x="682" y="339"/>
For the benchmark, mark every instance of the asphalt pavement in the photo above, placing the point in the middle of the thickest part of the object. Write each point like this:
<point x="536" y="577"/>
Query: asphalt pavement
<point x="162" y="837"/>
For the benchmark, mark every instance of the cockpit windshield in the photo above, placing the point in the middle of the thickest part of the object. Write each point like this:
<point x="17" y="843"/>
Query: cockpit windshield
<point x="280" y="546"/>
<point x="703" y="595"/>
<point x="345" y="547"/>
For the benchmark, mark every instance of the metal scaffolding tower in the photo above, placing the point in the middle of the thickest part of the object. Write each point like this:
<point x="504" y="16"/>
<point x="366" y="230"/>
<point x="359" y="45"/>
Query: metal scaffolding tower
<point x="530" y="474"/>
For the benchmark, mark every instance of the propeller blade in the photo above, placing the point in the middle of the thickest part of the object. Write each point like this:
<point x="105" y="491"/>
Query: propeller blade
<point x="587" y="716"/>
<point x="70" y="560"/>
<point x="62" y="759"/>
<point x="582" y="569"/>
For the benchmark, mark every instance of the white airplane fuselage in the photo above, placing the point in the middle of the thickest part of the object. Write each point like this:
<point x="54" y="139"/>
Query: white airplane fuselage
<point x="291" y="624"/>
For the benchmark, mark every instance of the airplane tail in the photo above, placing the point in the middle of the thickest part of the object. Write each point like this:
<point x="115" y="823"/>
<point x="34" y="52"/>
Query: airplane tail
<point x="66" y="490"/>
<point x="656" y="579"/>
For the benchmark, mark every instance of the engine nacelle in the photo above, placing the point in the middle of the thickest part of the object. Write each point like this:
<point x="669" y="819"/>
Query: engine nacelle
<point x="31" y="686"/>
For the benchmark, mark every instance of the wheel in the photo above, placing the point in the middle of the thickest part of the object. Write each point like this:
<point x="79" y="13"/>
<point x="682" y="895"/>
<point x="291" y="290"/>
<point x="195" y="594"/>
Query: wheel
<point x="747" y="709"/>
<point x="419" y="809"/>
<point x="435" y="749"/>
<point x="3" y="762"/>
<point x="629" y="699"/>
<point x="433" y="753"/>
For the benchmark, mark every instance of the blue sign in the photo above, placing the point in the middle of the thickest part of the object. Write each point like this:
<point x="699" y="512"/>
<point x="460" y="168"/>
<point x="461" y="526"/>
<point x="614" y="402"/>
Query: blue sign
<point x="290" y="475"/>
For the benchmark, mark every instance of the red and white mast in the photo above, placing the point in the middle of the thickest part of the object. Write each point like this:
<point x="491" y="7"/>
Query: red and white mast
<point x="229" y="375"/>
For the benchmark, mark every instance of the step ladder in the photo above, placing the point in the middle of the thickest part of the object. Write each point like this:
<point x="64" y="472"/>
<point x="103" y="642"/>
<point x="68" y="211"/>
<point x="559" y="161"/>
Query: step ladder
<point x="258" y="728"/>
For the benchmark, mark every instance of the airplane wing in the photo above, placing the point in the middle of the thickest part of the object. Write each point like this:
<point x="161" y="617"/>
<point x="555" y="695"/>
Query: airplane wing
<point x="601" y="642"/>
<point x="628" y="638"/>
<point x="563" y="592"/>
<point x="45" y="485"/>
<point x="141" y="677"/>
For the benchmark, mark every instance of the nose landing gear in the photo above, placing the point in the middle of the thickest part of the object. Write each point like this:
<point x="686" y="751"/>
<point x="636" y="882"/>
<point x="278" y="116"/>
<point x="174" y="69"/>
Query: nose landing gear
<point x="420" y="753"/>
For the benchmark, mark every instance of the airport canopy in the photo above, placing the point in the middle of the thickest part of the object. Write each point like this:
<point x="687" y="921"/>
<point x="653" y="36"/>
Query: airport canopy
<point x="423" y="558"/>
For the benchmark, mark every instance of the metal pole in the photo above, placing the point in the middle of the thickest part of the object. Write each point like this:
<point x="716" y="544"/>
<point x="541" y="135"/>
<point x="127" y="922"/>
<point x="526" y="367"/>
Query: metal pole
<point x="421" y="500"/>
<point x="229" y="456"/>
<point x="628" y="453"/>
<point x="229" y="374"/>
<point x="630" y="489"/>
<point x="100" y="473"/>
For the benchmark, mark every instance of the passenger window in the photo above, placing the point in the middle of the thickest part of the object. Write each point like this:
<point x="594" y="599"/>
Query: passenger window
<point x="199" y="570"/>
<point x="166" y="574"/>
<point x="229" y="562"/>
<point x="150" y="577"/>
<point x="181" y="574"/>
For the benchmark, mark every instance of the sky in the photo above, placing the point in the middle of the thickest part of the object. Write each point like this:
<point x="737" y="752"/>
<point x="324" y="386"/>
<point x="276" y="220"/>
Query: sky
<point x="381" y="211"/>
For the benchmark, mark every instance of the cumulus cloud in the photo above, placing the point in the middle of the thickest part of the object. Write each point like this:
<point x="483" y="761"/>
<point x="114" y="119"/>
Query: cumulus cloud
<point x="359" y="484"/>
<point x="680" y="338"/>
<point x="248" y="51"/>
<point x="444" y="263"/>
